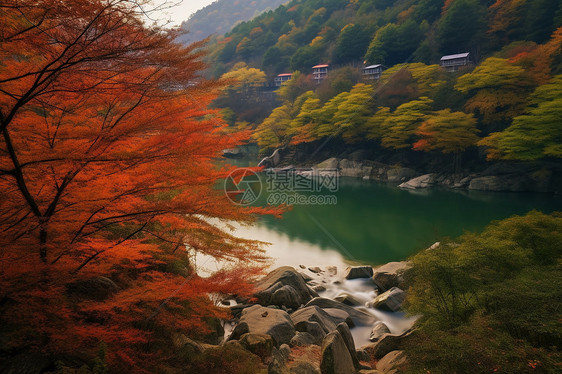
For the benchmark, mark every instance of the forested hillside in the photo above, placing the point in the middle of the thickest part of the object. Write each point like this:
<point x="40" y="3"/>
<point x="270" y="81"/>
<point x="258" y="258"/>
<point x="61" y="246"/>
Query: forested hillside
<point x="302" y="33"/>
<point x="220" y="16"/>
<point x="505" y="100"/>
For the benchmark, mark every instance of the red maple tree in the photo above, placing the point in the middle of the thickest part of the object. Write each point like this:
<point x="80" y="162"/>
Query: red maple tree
<point x="108" y="167"/>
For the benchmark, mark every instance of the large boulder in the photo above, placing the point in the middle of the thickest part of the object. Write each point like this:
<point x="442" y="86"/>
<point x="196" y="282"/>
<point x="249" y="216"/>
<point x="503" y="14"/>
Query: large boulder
<point x="390" y="362"/>
<point x="284" y="286"/>
<point x="390" y="275"/>
<point x="340" y="316"/>
<point x="423" y="181"/>
<point x="379" y="329"/>
<point x="286" y="296"/>
<point x="390" y="301"/>
<point x="355" y="272"/>
<point x="348" y="299"/>
<point x="359" y="317"/>
<point x="491" y="183"/>
<point x="335" y="355"/>
<point x="260" y="320"/>
<point x="343" y="329"/>
<point x="259" y="344"/>
<point x="302" y="339"/>
<point x="354" y="169"/>
<point x="303" y="317"/>
<point x="386" y="344"/>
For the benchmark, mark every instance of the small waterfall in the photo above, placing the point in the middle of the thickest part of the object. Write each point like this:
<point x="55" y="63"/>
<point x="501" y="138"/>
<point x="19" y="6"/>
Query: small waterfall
<point x="363" y="291"/>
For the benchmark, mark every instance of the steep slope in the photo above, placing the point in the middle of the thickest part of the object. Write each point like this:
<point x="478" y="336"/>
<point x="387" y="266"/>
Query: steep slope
<point x="220" y="16"/>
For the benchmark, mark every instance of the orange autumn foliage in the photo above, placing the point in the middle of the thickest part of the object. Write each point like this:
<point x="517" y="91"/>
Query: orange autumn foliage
<point x="108" y="168"/>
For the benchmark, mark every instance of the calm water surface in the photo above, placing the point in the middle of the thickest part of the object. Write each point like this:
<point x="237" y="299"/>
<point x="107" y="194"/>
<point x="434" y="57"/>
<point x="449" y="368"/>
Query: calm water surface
<point x="376" y="223"/>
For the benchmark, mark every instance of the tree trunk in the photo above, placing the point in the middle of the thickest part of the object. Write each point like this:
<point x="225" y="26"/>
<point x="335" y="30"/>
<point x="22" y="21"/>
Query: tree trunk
<point x="43" y="239"/>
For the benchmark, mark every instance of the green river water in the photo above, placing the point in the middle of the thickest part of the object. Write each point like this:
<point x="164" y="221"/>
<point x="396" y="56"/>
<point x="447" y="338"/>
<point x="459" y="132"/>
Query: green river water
<point x="377" y="223"/>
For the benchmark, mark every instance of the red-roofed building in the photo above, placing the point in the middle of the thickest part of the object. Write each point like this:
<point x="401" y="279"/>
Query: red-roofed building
<point x="320" y="72"/>
<point x="282" y="78"/>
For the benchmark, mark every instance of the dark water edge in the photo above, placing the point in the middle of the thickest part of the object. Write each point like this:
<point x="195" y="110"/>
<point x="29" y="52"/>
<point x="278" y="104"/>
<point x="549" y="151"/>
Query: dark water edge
<point x="376" y="223"/>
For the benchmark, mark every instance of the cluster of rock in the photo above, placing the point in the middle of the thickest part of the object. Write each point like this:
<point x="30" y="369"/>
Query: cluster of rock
<point x="498" y="177"/>
<point x="288" y="316"/>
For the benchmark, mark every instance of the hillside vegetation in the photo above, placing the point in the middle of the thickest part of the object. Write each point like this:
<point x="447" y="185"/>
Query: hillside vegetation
<point x="506" y="100"/>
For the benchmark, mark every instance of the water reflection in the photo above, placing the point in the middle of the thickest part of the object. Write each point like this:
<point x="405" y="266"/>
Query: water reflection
<point x="377" y="223"/>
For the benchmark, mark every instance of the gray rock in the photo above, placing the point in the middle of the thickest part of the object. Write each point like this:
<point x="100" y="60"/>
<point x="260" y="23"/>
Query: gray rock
<point x="385" y="281"/>
<point x="391" y="300"/>
<point x="98" y="288"/>
<point x="359" y="317"/>
<point x="396" y="175"/>
<point x="335" y="355"/>
<point x="379" y="329"/>
<point x="307" y="278"/>
<point x="386" y="344"/>
<point x="286" y="296"/>
<point x="259" y="344"/>
<point x="356" y="272"/>
<point x="313" y="328"/>
<point x="490" y="183"/>
<point x="390" y="362"/>
<point x="363" y="355"/>
<point x="340" y="316"/>
<point x="348" y="299"/>
<point x="302" y="339"/>
<point x="260" y="320"/>
<point x="319" y="288"/>
<point x="354" y="169"/>
<point x="390" y="275"/>
<point x="302" y="317"/>
<point x="422" y="181"/>
<point x="343" y="329"/>
<point x="279" y="279"/>
<point x="332" y="270"/>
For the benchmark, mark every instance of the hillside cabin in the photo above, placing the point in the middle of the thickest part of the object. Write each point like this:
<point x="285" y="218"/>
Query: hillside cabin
<point x="373" y="71"/>
<point x="452" y="63"/>
<point x="320" y="72"/>
<point x="282" y="78"/>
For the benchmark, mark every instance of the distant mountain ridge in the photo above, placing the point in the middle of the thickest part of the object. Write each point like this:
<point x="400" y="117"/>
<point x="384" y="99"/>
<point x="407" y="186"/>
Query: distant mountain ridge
<point x="221" y="16"/>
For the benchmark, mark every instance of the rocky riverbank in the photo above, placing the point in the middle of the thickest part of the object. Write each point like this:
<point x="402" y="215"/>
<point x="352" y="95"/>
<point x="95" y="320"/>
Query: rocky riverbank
<point x="500" y="177"/>
<point x="318" y="320"/>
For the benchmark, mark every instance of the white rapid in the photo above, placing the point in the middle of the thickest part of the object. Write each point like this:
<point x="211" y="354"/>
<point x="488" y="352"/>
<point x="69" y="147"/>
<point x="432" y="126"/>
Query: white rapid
<point x="363" y="291"/>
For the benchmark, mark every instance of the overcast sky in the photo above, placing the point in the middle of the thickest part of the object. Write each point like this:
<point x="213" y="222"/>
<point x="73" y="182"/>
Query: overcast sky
<point x="182" y="11"/>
